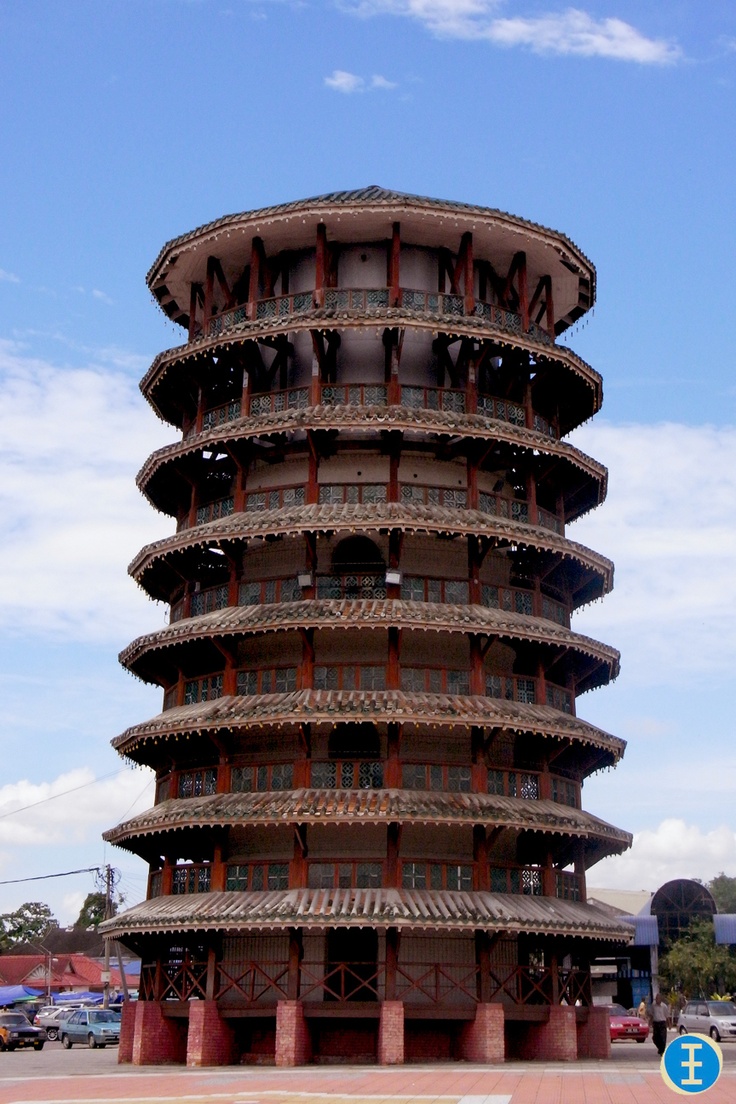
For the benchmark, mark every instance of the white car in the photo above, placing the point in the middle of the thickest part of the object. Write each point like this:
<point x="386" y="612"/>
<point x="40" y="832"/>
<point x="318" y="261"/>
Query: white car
<point x="714" y="1018"/>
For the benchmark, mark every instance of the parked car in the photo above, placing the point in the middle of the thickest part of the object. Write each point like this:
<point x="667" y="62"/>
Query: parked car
<point x="714" y="1018"/>
<point x="624" y="1025"/>
<point x="16" y="1031"/>
<point x="94" y="1026"/>
<point x="52" y="1020"/>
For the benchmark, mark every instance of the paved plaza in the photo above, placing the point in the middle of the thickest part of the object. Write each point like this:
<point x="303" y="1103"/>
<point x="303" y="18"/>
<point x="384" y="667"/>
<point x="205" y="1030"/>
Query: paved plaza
<point x="631" y="1077"/>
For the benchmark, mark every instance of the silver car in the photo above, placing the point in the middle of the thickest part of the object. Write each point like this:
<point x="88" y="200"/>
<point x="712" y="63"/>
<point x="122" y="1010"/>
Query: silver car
<point x="714" y="1018"/>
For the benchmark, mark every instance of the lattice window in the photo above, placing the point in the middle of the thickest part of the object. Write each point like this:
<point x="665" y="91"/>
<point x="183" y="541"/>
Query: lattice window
<point x="456" y="590"/>
<point x="526" y="691"/>
<point x="414" y="875"/>
<point x="241" y="779"/>
<point x="489" y="596"/>
<point x="204" y="689"/>
<point x="458" y="779"/>
<point x="197" y="783"/>
<point x="190" y="879"/>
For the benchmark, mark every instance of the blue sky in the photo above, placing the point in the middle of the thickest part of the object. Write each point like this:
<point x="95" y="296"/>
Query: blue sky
<point x="128" y="122"/>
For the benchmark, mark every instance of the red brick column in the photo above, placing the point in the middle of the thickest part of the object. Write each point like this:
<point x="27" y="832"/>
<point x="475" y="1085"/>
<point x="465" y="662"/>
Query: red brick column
<point x="594" y="1034"/>
<point x="127" y="1031"/>
<point x="391" y="1034"/>
<point x="482" y="1039"/>
<point x="293" y="1044"/>
<point x="157" y="1039"/>
<point x="210" y="1040"/>
<point x="554" y="1041"/>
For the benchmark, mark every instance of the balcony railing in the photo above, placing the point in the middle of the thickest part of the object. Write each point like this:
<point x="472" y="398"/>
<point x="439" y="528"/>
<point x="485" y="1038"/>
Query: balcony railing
<point x="425" y="983"/>
<point x="420" y="494"/>
<point x="366" y="300"/>
<point x="372" y="585"/>
<point x="365" y="774"/>
<point x="411" y="396"/>
<point x="374" y="676"/>
<point x="277" y="498"/>
<point x="335" y="494"/>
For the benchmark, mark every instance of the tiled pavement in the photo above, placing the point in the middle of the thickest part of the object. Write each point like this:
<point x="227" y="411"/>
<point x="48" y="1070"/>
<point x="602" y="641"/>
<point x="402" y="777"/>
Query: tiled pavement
<point x="574" y="1083"/>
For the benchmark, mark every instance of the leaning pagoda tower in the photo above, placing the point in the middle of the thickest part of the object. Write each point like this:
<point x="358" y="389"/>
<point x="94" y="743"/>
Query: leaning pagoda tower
<point x="368" y="840"/>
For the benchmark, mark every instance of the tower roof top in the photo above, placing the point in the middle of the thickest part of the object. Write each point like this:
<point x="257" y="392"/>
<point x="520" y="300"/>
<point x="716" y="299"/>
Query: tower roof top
<point x="280" y="229"/>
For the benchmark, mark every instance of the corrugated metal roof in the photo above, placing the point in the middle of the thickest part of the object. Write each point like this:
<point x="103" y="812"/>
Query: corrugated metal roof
<point x="315" y="706"/>
<point x="378" y="908"/>
<point x="646" y="930"/>
<point x="312" y="806"/>
<point x="724" y="926"/>
<point x="345" y="613"/>
<point x="367" y="518"/>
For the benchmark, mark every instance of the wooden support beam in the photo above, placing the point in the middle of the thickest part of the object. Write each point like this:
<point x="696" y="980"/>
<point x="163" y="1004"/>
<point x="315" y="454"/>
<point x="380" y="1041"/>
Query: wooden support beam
<point x="393" y="674"/>
<point x="306" y="667"/>
<point x="392" y="962"/>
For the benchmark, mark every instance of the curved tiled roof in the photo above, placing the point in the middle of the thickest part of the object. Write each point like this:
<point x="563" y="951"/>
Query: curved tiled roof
<point x="448" y="910"/>
<point x="402" y="419"/>
<point x="371" y="196"/>
<point x="346" y="613"/>
<point x="379" y="706"/>
<point x="368" y="518"/>
<point x="314" y="806"/>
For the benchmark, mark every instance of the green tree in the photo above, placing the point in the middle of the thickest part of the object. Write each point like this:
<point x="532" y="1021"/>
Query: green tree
<point x="28" y="924"/>
<point x="723" y="889"/>
<point x="92" y="911"/>
<point x="697" y="965"/>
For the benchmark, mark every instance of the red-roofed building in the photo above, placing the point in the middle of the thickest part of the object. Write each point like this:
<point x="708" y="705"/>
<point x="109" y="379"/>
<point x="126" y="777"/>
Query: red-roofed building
<point x="63" y="973"/>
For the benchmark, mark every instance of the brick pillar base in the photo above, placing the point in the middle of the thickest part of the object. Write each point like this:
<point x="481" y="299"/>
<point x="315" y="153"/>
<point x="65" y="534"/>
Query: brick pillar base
<point x="482" y="1039"/>
<point x="594" y="1034"/>
<point x="293" y="1044"/>
<point x="391" y="1034"/>
<point x="210" y="1040"/>
<point x="127" y="1031"/>
<point x="554" y="1041"/>
<point x="157" y="1039"/>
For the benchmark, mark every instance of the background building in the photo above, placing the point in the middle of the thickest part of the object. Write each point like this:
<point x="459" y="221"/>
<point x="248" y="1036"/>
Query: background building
<point x="368" y="839"/>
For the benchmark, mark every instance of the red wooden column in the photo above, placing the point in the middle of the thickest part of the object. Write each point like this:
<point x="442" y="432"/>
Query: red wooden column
<point x="195" y="291"/>
<point x="218" y="873"/>
<point x="392" y="773"/>
<point x="479" y="776"/>
<point x="245" y="395"/>
<point x="296" y="954"/>
<point x="550" y="316"/>
<point x="393" y="839"/>
<point x="468" y="273"/>
<point x="320" y="266"/>
<point x="298" y="865"/>
<point x="474" y="561"/>
<point x="257" y="258"/>
<point x="393" y="673"/>
<point x="306" y="667"/>
<point x="523" y="287"/>
<point x="580" y="870"/>
<point x="394" y="275"/>
<point x="312" y="491"/>
<point x="480" y="858"/>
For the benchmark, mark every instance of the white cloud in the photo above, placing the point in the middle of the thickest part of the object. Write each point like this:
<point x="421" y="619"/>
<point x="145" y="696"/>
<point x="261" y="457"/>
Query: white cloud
<point x="674" y="849"/>
<point x="571" y="32"/>
<point x="71" y="441"/>
<point x="576" y="32"/>
<point x="97" y="294"/>
<point x="84" y="806"/>
<point x="377" y="81"/>
<point x="342" y="81"/>
<point x="9" y="277"/>
<point x="669" y="525"/>
<point x="347" y="83"/>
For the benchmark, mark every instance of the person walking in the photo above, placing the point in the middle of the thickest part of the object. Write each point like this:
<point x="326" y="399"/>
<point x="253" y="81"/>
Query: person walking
<point x="658" y="1014"/>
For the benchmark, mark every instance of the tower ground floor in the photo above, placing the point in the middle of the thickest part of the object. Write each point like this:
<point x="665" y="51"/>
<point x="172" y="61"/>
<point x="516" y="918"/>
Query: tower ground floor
<point x="292" y="1033"/>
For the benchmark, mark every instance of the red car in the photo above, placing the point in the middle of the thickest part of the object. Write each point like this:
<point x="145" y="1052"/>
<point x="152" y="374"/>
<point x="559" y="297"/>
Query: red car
<point x="626" y="1026"/>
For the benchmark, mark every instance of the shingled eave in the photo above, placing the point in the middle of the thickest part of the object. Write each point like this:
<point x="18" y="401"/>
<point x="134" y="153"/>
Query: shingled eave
<point x="315" y="806"/>
<point x="379" y="706"/>
<point x="316" y="909"/>
<point x="369" y="518"/>
<point x="344" y="614"/>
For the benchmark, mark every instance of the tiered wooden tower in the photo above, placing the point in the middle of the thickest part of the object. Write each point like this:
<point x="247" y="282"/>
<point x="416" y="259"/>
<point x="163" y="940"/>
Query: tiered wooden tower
<point x="368" y="838"/>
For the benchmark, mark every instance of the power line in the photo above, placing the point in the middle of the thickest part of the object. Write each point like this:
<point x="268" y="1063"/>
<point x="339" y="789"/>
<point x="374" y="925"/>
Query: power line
<point x="43" y="877"/>
<point x="53" y="797"/>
